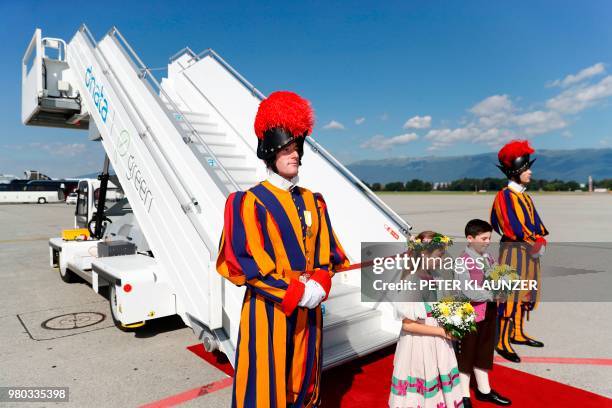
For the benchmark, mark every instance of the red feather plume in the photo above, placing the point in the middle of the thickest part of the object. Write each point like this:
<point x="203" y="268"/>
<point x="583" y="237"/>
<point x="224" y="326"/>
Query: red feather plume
<point x="514" y="149"/>
<point x="287" y="110"/>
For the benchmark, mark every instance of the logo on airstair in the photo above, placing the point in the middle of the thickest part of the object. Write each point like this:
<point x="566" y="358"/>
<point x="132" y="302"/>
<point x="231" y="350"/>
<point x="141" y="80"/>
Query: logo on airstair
<point x="97" y="93"/>
<point x="123" y="143"/>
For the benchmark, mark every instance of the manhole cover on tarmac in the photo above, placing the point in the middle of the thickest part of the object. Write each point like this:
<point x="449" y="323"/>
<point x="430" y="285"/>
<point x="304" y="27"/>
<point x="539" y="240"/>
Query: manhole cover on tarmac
<point x="66" y="321"/>
<point x="73" y="321"/>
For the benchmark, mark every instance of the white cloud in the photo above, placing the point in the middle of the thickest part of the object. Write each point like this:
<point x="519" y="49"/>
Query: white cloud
<point x="493" y="105"/>
<point x="380" y="142"/>
<point x="55" y="149"/>
<point x="418" y="122"/>
<point x="334" y="125"/>
<point x="359" y="121"/>
<point x="578" y="98"/>
<point x="496" y="119"/>
<point x="539" y="122"/>
<point x="586" y="73"/>
<point x="68" y="150"/>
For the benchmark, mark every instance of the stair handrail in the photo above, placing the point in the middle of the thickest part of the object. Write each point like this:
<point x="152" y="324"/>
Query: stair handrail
<point x="146" y="71"/>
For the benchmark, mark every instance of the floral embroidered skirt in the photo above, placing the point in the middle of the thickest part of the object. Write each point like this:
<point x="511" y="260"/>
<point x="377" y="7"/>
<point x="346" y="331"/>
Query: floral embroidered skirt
<point x="425" y="372"/>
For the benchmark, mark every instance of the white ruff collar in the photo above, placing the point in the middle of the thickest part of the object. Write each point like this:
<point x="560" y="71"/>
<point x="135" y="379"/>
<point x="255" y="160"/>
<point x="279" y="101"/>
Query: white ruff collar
<point x="279" y="181"/>
<point x="516" y="187"/>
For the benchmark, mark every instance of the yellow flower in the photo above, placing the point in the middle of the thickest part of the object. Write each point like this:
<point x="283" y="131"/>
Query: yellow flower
<point x="494" y="275"/>
<point x="468" y="308"/>
<point x="444" y="239"/>
<point x="444" y="309"/>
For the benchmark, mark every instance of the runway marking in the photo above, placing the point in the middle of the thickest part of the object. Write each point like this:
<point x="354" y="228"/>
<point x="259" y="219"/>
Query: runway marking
<point x="561" y="360"/>
<point x="29" y="239"/>
<point x="198" y="350"/>
<point x="190" y="394"/>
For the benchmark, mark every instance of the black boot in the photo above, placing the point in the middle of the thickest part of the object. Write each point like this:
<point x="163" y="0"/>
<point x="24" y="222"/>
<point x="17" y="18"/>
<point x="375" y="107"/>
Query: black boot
<point x="508" y="355"/>
<point x="492" y="397"/>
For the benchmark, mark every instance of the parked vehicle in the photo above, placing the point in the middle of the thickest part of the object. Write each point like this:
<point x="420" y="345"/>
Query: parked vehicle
<point x="72" y="198"/>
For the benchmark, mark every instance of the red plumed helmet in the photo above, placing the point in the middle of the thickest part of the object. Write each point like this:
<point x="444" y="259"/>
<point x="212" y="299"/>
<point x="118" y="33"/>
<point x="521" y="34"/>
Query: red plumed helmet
<point x="514" y="158"/>
<point x="286" y="110"/>
<point x="513" y="150"/>
<point x="282" y="118"/>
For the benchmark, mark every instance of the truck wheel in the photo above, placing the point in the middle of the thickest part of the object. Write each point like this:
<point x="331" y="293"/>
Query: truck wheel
<point x="42" y="200"/>
<point x="67" y="276"/>
<point x="114" y="308"/>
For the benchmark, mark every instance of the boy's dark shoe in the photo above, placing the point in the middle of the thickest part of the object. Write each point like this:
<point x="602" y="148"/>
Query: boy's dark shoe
<point x="467" y="403"/>
<point x="492" y="397"/>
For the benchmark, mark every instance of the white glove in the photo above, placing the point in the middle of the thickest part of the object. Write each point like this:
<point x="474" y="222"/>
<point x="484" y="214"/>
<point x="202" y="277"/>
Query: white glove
<point x="542" y="250"/>
<point x="313" y="295"/>
<point x="539" y="253"/>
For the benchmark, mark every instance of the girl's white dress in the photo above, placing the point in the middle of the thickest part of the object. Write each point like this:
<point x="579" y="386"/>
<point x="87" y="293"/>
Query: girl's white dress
<point x="425" y="372"/>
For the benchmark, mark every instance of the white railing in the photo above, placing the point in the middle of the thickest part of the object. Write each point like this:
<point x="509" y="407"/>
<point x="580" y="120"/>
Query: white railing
<point x="403" y="226"/>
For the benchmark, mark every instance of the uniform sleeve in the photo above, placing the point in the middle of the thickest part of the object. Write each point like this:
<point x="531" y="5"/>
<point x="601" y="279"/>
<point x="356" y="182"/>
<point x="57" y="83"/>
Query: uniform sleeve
<point x="329" y="254"/>
<point x="510" y="217"/>
<point x="246" y="256"/>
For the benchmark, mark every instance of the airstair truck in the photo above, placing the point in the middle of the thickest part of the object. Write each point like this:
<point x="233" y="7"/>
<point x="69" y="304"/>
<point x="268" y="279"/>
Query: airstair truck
<point x="179" y="147"/>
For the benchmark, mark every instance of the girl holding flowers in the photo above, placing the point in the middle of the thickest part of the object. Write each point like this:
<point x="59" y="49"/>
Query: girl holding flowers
<point x="425" y="372"/>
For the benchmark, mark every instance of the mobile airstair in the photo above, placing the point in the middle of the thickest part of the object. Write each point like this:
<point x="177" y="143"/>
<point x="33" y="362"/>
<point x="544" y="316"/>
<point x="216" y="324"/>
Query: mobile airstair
<point x="178" y="148"/>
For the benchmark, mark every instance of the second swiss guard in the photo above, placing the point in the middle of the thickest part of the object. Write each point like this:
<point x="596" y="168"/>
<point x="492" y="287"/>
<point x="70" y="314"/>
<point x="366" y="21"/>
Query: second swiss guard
<point x="515" y="218"/>
<point x="278" y="241"/>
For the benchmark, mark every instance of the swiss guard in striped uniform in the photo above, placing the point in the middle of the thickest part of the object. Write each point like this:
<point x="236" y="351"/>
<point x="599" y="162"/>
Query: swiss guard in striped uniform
<point x="515" y="218"/>
<point x="279" y="243"/>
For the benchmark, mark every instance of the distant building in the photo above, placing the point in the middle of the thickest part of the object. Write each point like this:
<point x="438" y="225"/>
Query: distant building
<point x="439" y="185"/>
<point x="35" y="175"/>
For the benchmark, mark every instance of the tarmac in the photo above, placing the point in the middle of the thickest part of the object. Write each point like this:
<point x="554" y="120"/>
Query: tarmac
<point x="62" y="335"/>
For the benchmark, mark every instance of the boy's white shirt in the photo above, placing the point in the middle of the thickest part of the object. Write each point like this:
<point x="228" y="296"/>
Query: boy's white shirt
<point x="313" y="291"/>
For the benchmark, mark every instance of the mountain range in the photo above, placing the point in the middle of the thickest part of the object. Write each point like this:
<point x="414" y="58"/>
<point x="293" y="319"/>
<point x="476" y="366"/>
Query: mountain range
<point x="566" y="165"/>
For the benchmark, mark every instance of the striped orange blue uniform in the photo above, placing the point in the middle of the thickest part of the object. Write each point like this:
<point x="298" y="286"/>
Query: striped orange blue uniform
<point x="270" y="238"/>
<point x="516" y="219"/>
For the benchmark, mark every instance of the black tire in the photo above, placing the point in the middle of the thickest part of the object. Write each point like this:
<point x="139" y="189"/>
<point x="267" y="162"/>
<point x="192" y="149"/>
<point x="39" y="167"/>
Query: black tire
<point x="42" y="200"/>
<point x="68" y="276"/>
<point x="112" y="300"/>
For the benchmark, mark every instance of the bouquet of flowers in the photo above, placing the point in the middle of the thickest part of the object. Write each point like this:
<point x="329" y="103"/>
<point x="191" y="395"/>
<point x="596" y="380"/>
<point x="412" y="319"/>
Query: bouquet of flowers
<point x="457" y="318"/>
<point x="497" y="275"/>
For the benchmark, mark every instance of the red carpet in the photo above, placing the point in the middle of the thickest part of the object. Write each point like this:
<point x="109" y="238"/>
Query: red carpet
<point x="216" y="359"/>
<point x="365" y="383"/>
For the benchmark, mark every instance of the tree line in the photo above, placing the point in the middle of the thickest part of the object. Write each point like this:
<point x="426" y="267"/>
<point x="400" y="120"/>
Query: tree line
<point x="488" y="183"/>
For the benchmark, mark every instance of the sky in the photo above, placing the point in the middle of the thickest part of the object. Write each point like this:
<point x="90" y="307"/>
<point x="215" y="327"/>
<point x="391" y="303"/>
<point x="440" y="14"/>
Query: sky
<point x="386" y="79"/>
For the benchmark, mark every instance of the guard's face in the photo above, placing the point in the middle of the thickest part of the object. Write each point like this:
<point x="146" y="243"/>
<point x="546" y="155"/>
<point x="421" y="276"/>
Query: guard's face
<point x="288" y="161"/>
<point x="525" y="176"/>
